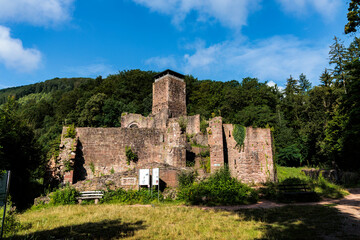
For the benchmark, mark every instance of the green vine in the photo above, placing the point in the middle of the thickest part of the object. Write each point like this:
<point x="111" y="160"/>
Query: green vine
<point x="239" y="133"/>
<point x="68" y="166"/>
<point x="92" y="167"/>
<point x="70" y="132"/>
<point x="130" y="155"/>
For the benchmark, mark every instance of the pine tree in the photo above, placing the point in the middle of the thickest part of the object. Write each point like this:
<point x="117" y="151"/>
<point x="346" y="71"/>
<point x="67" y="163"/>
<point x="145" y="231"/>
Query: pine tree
<point x="304" y="83"/>
<point x="338" y="58"/>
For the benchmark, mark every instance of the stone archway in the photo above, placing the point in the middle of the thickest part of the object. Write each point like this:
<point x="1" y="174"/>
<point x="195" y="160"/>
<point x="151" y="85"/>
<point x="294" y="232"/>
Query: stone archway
<point x="133" y="125"/>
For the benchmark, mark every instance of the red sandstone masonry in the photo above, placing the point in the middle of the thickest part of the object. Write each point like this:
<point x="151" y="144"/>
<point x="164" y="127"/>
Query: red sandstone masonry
<point x="254" y="162"/>
<point x="215" y="140"/>
<point x="193" y="124"/>
<point x="169" y="92"/>
<point x="104" y="148"/>
<point x="158" y="140"/>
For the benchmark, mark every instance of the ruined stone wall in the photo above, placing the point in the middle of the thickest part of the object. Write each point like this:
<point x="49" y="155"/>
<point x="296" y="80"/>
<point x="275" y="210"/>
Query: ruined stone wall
<point x="102" y="150"/>
<point x="158" y="120"/>
<point x="131" y="119"/>
<point x="130" y="179"/>
<point x="215" y="140"/>
<point x="169" y="92"/>
<point x="160" y="95"/>
<point x="193" y="124"/>
<point x="175" y="145"/>
<point x="253" y="162"/>
<point x="177" y="97"/>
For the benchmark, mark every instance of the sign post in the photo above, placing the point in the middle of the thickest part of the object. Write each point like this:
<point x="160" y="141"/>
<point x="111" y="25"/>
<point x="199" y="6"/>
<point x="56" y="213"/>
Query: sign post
<point x="144" y="177"/>
<point x="4" y="190"/>
<point x="155" y="178"/>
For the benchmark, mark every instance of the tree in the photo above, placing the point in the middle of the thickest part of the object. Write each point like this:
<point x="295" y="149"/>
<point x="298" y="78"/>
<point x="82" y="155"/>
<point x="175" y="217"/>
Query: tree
<point x="304" y="83"/>
<point x="353" y="17"/>
<point x="337" y="55"/>
<point x="21" y="154"/>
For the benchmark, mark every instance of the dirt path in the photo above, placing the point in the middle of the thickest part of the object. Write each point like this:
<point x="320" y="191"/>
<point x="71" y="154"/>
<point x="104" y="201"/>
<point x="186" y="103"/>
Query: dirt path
<point x="348" y="206"/>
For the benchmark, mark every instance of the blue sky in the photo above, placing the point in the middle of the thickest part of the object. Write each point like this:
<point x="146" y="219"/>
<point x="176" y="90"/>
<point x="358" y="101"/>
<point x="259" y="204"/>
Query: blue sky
<point x="210" y="39"/>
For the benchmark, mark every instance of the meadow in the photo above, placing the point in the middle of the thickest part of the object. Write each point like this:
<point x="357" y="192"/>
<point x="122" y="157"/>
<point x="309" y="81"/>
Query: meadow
<point x="169" y="221"/>
<point x="120" y="217"/>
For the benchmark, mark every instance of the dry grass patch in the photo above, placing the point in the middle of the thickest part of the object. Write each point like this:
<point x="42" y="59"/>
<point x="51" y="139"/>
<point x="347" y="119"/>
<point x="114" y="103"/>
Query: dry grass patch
<point x="110" y="221"/>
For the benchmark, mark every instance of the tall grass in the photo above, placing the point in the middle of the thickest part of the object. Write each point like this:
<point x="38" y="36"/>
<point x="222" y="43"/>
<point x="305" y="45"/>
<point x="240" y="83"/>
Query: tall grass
<point x="321" y="186"/>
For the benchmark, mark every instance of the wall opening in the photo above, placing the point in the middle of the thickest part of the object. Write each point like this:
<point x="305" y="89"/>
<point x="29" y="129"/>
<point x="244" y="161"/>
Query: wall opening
<point x="133" y="125"/>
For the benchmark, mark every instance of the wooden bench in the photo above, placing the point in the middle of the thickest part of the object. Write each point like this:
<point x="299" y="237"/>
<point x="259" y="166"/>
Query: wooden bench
<point x="297" y="192"/>
<point x="294" y="188"/>
<point x="96" y="195"/>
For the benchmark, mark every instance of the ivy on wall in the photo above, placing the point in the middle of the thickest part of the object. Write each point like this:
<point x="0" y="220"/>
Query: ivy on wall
<point x="239" y="133"/>
<point x="130" y="155"/>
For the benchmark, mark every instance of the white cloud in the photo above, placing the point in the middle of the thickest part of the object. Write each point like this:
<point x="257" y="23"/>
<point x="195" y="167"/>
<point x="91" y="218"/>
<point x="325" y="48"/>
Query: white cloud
<point x="273" y="84"/>
<point x="36" y="12"/>
<point x="270" y="59"/>
<point x="327" y="8"/>
<point x="92" y="70"/>
<point x="14" y="55"/>
<point x="162" y="62"/>
<point x="229" y="13"/>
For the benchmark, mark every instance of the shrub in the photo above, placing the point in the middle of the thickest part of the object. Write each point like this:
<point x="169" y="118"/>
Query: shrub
<point x="205" y="164"/>
<point x="64" y="196"/>
<point x="70" y="132"/>
<point x="205" y="154"/>
<point x="186" y="178"/>
<point x="182" y="123"/>
<point x="68" y="166"/>
<point x="130" y="155"/>
<point x="11" y="223"/>
<point x="219" y="189"/>
<point x="121" y="195"/>
<point x="203" y="125"/>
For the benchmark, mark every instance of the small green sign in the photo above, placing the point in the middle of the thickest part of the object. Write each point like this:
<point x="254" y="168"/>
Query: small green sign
<point x="3" y="186"/>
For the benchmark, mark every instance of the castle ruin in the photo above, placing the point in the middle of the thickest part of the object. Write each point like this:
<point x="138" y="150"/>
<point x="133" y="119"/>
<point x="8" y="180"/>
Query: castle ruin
<point x="160" y="140"/>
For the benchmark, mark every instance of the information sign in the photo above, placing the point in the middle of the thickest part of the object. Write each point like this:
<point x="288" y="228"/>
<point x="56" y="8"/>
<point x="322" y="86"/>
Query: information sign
<point x="155" y="176"/>
<point x="144" y="177"/>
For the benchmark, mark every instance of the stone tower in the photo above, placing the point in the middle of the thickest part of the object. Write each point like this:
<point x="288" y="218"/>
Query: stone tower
<point x="169" y="93"/>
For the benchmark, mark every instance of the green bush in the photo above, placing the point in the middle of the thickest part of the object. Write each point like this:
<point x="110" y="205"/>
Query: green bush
<point x="183" y="123"/>
<point x="205" y="154"/>
<point x="64" y="196"/>
<point x="143" y="196"/>
<point x="186" y="178"/>
<point x="203" y="125"/>
<point x="11" y="223"/>
<point x="130" y="155"/>
<point x="205" y="164"/>
<point x="71" y="132"/>
<point x="219" y="189"/>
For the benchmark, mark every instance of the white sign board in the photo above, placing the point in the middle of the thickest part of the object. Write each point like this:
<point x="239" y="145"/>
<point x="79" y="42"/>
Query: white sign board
<point x="155" y="176"/>
<point x="144" y="177"/>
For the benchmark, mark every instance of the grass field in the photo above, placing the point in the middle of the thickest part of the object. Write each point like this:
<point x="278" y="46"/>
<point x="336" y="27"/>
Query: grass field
<point x="111" y="221"/>
<point x="321" y="186"/>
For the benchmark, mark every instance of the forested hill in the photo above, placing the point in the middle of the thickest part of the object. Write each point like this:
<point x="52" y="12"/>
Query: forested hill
<point x="311" y="125"/>
<point x="66" y="84"/>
